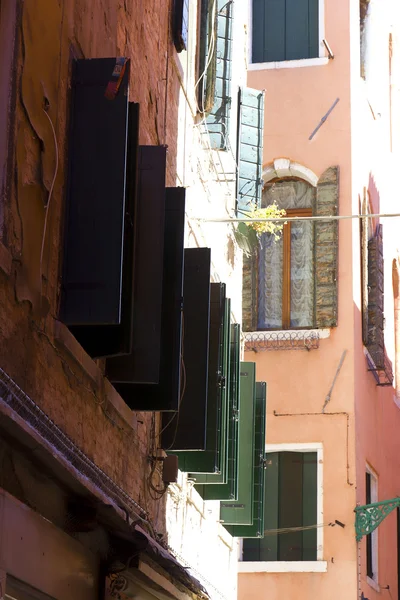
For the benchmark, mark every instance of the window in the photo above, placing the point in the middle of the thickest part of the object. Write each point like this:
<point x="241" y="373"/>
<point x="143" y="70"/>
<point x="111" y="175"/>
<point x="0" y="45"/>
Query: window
<point x="285" y="30"/>
<point x="17" y="590"/>
<point x="310" y="298"/>
<point x="371" y="495"/>
<point x="286" y="267"/>
<point x="292" y="499"/>
<point x="181" y="24"/>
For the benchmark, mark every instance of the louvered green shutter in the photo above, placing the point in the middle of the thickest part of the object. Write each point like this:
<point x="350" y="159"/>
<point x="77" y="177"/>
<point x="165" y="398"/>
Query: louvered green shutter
<point x="240" y="511"/>
<point x="284" y="30"/>
<point x="250" y="149"/>
<point x="256" y="529"/>
<point x="218" y="117"/>
<point x="326" y="250"/>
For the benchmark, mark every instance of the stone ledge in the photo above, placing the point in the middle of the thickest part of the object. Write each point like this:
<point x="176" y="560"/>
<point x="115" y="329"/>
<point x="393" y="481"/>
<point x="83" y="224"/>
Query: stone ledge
<point x="64" y="338"/>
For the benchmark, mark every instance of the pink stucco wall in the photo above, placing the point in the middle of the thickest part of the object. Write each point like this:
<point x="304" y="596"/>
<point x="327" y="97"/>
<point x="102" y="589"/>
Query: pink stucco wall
<point x="361" y="421"/>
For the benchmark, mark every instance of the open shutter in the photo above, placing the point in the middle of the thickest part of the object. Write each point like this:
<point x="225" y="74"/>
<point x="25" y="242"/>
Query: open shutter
<point x="181" y="24"/>
<point x="375" y="340"/>
<point x="218" y="117"/>
<point x="256" y="529"/>
<point x="95" y="206"/>
<point x="240" y="511"/>
<point x="142" y="364"/>
<point x="326" y="250"/>
<point x="188" y="432"/>
<point x="250" y="149"/>
<point x="165" y="394"/>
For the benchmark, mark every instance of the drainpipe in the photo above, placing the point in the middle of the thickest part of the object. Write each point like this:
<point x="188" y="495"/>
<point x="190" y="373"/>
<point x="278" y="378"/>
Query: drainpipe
<point x="396" y="298"/>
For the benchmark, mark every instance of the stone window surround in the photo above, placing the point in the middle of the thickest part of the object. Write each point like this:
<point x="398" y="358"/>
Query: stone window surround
<point x="322" y="59"/>
<point x="281" y="168"/>
<point x="317" y="566"/>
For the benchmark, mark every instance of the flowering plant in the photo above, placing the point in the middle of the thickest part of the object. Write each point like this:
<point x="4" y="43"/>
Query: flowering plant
<point x="269" y="212"/>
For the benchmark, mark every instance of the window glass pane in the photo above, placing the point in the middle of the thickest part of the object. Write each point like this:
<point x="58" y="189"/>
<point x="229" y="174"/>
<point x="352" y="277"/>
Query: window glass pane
<point x="301" y="275"/>
<point x="270" y="283"/>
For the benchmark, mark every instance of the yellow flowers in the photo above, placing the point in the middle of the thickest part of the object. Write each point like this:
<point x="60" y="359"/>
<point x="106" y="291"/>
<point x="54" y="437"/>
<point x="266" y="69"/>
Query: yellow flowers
<point x="270" y="212"/>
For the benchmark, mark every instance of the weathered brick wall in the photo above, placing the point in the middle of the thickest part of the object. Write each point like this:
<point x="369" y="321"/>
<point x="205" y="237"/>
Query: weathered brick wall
<point x="35" y="350"/>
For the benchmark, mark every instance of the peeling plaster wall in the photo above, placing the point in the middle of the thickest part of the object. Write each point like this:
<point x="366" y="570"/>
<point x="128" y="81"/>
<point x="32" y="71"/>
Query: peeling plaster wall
<point x="36" y="350"/>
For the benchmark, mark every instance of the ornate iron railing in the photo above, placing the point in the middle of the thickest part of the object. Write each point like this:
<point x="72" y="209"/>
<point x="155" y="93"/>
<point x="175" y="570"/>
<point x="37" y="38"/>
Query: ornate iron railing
<point x="259" y="341"/>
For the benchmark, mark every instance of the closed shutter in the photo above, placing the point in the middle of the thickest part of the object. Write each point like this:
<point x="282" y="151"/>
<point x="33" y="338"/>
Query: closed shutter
<point x="250" y="149"/>
<point x="181" y="24"/>
<point x="375" y="342"/>
<point x="284" y="30"/>
<point x="95" y="206"/>
<point x="218" y="117"/>
<point x="326" y="250"/>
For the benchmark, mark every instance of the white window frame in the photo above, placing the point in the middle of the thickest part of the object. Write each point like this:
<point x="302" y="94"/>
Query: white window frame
<point x="374" y="581"/>
<point x="322" y="59"/>
<point x="319" y="565"/>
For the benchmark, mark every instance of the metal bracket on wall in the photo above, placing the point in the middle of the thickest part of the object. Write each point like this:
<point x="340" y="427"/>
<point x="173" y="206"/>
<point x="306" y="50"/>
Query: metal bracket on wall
<point x="370" y="516"/>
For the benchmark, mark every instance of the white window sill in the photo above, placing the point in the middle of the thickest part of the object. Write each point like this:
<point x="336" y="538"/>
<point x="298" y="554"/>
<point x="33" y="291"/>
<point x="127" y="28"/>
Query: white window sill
<point x="372" y="583"/>
<point x="314" y="566"/>
<point x="290" y="64"/>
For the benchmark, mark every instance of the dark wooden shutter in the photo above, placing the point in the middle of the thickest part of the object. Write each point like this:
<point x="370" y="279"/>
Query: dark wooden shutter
<point x="218" y="117"/>
<point x="240" y="511"/>
<point x="181" y="24"/>
<point x="284" y="30"/>
<point x="142" y="364"/>
<point x="165" y="394"/>
<point x="189" y="431"/>
<point x="114" y="340"/>
<point x="310" y="498"/>
<point x="375" y="342"/>
<point x="95" y="205"/>
<point x="209" y="460"/>
<point x="250" y="149"/>
<point x="256" y="529"/>
<point x="326" y="250"/>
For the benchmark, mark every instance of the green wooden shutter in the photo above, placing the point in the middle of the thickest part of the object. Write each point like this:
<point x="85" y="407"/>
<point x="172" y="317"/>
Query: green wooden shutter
<point x="250" y="149"/>
<point x="309" y="542"/>
<point x="326" y="250"/>
<point x="266" y="549"/>
<point x="256" y="529"/>
<point x="375" y="340"/>
<point x="240" y="511"/>
<point x="218" y="117"/>
<point x="284" y="30"/>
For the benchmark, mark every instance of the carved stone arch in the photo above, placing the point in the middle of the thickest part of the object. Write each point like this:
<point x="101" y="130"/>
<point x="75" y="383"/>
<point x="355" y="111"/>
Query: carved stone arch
<point x="283" y="167"/>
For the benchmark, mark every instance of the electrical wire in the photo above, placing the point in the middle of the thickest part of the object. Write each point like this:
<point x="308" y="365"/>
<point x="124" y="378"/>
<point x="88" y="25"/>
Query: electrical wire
<point x="50" y="191"/>
<point x="294" y="529"/>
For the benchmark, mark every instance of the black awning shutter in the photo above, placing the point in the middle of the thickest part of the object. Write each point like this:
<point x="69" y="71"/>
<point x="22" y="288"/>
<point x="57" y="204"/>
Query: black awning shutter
<point x="95" y="204"/>
<point x="142" y="364"/>
<point x="190" y="431"/>
<point x="113" y="340"/>
<point x="165" y="394"/>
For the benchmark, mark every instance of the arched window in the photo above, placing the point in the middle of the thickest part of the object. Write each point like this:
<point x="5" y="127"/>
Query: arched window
<point x="292" y="283"/>
<point x="286" y="266"/>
